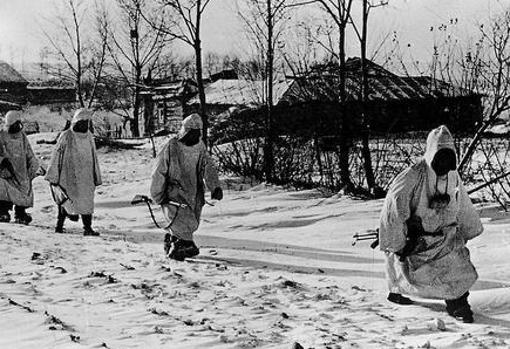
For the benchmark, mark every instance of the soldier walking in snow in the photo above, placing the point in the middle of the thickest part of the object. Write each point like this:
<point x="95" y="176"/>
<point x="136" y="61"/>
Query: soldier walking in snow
<point x="178" y="186"/>
<point x="426" y="220"/>
<point x="18" y="167"/>
<point x="74" y="173"/>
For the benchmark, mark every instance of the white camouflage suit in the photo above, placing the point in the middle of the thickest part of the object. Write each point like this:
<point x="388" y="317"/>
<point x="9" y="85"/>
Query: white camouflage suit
<point x="179" y="177"/>
<point x="441" y="269"/>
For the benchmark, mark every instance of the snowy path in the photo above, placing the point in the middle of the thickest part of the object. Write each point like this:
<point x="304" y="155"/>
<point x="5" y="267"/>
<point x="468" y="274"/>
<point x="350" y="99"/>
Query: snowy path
<point x="294" y="277"/>
<point x="127" y="296"/>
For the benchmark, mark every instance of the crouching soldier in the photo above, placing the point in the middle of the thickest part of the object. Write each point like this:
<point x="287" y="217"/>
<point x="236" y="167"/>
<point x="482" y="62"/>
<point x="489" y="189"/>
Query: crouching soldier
<point x="18" y="167"/>
<point x="178" y="186"/>
<point x="426" y="220"/>
<point x="74" y="173"/>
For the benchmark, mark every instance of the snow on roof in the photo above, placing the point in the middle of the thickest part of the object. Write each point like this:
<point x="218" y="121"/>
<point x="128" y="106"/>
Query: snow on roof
<point x="9" y="74"/>
<point x="241" y="92"/>
<point x="321" y="84"/>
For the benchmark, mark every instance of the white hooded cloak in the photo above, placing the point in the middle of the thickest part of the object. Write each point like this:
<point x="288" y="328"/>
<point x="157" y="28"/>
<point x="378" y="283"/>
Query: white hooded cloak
<point x="179" y="177"/>
<point x="75" y="168"/>
<point x="442" y="268"/>
<point x="17" y="187"/>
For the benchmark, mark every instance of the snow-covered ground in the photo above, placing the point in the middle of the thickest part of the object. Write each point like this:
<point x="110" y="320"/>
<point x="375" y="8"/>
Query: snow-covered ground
<point x="278" y="267"/>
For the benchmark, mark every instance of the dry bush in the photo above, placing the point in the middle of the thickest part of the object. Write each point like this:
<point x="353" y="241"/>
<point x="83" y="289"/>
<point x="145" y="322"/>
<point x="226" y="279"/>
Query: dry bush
<point x="241" y="158"/>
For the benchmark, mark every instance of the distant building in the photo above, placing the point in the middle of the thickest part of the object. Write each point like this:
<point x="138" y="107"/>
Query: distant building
<point x="6" y="106"/>
<point x="163" y="105"/>
<point x="227" y="74"/>
<point x="56" y="95"/>
<point x="13" y="86"/>
<point x="16" y="91"/>
<point x="395" y="103"/>
<point x="310" y="103"/>
<point x="224" y="94"/>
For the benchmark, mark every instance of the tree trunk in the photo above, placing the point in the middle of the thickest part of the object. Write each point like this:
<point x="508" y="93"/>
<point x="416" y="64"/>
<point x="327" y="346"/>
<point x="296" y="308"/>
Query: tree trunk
<point x="269" y="143"/>
<point x="197" y="43"/>
<point x="135" y="129"/>
<point x="201" y="90"/>
<point x="365" y="123"/>
<point x="345" y="139"/>
<point x="79" y="69"/>
<point x="79" y="90"/>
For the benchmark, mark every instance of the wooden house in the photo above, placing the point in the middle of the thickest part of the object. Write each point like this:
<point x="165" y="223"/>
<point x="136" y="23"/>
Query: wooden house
<point x="13" y="86"/>
<point x="309" y="103"/>
<point x="163" y="104"/>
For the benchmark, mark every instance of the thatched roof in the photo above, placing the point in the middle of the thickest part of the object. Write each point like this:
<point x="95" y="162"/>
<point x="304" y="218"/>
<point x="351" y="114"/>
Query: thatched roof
<point x="9" y="75"/>
<point x="321" y="84"/>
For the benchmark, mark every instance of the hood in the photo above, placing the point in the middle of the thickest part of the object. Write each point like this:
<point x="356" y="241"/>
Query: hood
<point x="81" y="114"/>
<point x="11" y="117"/>
<point x="438" y="138"/>
<point x="192" y="122"/>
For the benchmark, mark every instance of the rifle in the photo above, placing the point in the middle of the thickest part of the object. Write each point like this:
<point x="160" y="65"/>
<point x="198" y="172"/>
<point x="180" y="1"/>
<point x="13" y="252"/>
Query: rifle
<point x="369" y="235"/>
<point x="414" y="233"/>
<point x="138" y="199"/>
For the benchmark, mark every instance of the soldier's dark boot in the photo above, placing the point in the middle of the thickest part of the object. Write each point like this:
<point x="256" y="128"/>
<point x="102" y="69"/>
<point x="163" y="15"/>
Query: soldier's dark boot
<point x="5" y="206"/>
<point x="21" y="216"/>
<point x="399" y="299"/>
<point x="174" y="247"/>
<point x="87" y="225"/>
<point x="460" y="309"/>
<point x="191" y="250"/>
<point x="61" y="218"/>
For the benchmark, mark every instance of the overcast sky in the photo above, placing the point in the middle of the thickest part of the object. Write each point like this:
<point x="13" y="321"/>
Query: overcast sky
<point x="20" y="23"/>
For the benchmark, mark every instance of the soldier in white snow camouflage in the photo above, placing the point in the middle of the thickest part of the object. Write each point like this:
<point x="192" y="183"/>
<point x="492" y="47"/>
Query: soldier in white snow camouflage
<point x="425" y="224"/>
<point x="74" y="173"/>
<point x="18" y="167"/>
<point x="177" y="185"/>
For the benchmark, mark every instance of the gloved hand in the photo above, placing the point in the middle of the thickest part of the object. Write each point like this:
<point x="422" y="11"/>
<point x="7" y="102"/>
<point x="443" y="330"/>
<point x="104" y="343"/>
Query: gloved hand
<point x="217" y="194"/>
<point x="414" y="240"/>
<point x="40" y="171"/>
<point x="6" y="163"/>
<point x="414" y="226"/>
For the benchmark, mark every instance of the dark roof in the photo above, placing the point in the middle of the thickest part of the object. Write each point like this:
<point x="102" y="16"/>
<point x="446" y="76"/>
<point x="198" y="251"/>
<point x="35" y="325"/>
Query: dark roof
<point x="9" y="74"/>
<point x="169" y="89"/>
<point x="227" y="74"/>
<point x="321" y="84"/>
<point x="6" y="105"/>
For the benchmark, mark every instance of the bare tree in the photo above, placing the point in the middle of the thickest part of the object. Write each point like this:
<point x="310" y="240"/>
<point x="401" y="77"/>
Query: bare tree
<point x="77" y="48"/>
<point x="99" y="52"/>
<point x="339" y="12"/>
<point x="183" y="21"/>
<point x="265" y="23"/>
<point x="135" y="48"/>
<point x="485" y="69"/>
<point x="365" y="92"/>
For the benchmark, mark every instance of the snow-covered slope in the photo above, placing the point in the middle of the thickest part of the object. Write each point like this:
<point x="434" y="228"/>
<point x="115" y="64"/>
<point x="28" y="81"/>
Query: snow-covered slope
<point x="279" y="269"/>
